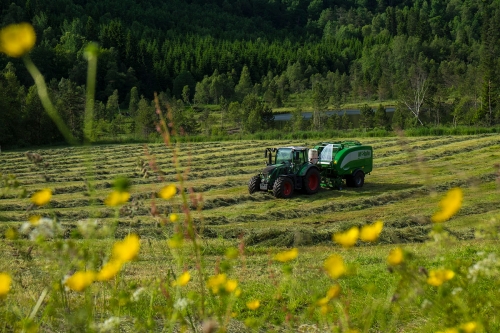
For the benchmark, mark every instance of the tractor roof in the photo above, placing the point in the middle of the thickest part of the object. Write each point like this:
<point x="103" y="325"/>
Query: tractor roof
<point x="294" y="148"/>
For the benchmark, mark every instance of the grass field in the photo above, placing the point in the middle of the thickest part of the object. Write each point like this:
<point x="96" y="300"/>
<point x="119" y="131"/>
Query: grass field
<point x="410" y="176"/>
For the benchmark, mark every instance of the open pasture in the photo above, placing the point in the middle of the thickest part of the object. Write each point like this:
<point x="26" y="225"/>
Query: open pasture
<point x="408" y="175"/>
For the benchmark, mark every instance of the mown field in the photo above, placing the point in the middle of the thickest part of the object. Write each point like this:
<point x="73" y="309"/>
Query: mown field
<point x="409" y="177"/>
<point x="407" y="174"/>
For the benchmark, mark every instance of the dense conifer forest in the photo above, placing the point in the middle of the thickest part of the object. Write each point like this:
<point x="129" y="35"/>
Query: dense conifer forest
<point x="438" y="60"/>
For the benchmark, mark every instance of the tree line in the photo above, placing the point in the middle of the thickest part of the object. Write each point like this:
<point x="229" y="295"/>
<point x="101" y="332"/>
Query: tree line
<point x="438" y="59"/>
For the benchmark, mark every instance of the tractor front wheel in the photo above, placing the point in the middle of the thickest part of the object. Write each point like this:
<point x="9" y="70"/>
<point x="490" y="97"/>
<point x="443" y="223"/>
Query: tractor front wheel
<point x="283" y="188"/>
<point x="254" y="184"/>
<point x="312" y="181"/>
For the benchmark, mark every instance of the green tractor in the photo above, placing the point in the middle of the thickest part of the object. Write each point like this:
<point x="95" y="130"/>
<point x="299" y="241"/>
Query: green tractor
<point x="328" y="164"/>
<point x="290" y="170"/>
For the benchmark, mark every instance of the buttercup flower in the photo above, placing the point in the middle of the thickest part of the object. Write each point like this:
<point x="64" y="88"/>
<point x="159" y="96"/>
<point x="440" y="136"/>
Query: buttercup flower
<point x="42" y="197"/>
<point x="80" y="280"/>
<point x="109" y="271"/>
<point x="348" y="238"/>
<point x="127" y="249"/>
<point x="17" y="39"/>
<point x="182" y="280"/>
<point x="253" y="305"/>
<point x="395" y="256"/>
<point x="5" y="281"/>
<point x="116" y="198"/>
<point x="167" y="192"/>
<point x="334" y="266"/>
<point x="231" y="285"/>
<point x="35" y="220"/>
<point x="215" y="282"/>
<point x="450" y="205"/>
<point x="287" y="255"/>
<point x="438" y="276"/>
<point x="173" y="217"/>
<point x="370" y="233"/>
<point x="469" y="327"/>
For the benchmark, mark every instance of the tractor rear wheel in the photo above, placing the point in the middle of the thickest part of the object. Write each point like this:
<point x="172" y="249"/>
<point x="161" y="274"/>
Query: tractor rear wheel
<point x="358" y="179"/>
<point x="312" y="181"/>
<point x="283" y="188"/>
<point x="254" y="184"/>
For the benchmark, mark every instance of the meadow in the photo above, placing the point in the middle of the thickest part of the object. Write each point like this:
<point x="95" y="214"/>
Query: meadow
<point x="410" y="176"/>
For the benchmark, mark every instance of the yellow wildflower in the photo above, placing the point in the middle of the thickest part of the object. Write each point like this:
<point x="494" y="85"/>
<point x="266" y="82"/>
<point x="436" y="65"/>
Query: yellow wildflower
<point x="287" y="255"/>
<point x="35" y="220"/>
<point x="183" y="279"/>
<point x="109" y="271"/>
<point x="5" y="281"/>
<point x="17" y="39"/>
<point x="173" y="217"/>
<point x="231" y="285"/>
<point x="127" y="249"/>
<point x="42" y="197"/>
<point x="395" y="256"/>
<point x="116" y="198"/>
<point x="469" y="327"/>
<point x="215" y="282"/>
<point x="438" y="276"/>
<point x="237" y="292"/>
<point x="11" y="233"/>
<point x="334" y="266"/>
<point x="348" y="238"/>
<point x="370" y="233"/>
<point x="253" y="305"/>
<point x="450" y="205"/>
<point x="167" y="192"/>
<point x="80" y="280"/>
<point x="333" y="292"/>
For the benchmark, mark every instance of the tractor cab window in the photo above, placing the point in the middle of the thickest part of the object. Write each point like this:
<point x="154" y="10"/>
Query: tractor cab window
<point x="284" y="155"/>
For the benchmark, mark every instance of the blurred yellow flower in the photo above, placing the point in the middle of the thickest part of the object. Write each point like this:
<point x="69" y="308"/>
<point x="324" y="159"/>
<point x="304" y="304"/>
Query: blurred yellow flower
<point x="11" y="233"/>
<point x="395" y="257"/>
<point x="287" y="255"/>
<point x="215" y="282"/>
<point x="333" y="292"/>
<point x="167" y="192"/>
<point x="173" y="217"/>
<point x="231" y="285"/>
<point x="334" y="266"/>
<point x="80" y="280"/>
<point x="116" y="198"/>
<point x="450" y="205"/>
<point x="439" y="276"/>
<point x="469" y="327"/>
<point x="5" y="281"/>
<point x="237" y="292"/>
<point x="109" y="271"/>
<point x="182" y="280"/>
<point x="42" y="197"/>
<point x="35" y="220"/>
<point x="370" y="233"/>
<point x="127" y="249"/>
<point x="17" y="39"/>
<point x="253" y="305"/>
<point x="348" y="238"/>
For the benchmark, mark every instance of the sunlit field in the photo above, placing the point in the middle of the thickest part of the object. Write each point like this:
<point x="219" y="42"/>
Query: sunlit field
<point x="227" y="240"/>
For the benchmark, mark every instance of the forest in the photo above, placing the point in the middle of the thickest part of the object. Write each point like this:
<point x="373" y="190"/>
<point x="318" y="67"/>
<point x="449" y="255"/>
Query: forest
<point x="437" y="60"/>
